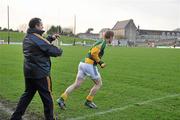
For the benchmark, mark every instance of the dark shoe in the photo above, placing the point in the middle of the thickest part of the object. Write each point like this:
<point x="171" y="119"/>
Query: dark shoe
<point x="90" y="104"/>
<point x="61" y="103"/>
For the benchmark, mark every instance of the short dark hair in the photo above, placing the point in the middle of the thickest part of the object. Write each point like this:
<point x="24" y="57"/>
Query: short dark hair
<point x="108" y="34"/>
<point x="33" y="22"/>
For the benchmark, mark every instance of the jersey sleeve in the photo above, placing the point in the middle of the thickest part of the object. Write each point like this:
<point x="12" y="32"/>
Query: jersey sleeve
<point x="95" y="53"/>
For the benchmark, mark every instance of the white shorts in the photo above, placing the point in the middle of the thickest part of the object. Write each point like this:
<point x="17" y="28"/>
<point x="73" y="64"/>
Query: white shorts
<point x="85" y="69"/>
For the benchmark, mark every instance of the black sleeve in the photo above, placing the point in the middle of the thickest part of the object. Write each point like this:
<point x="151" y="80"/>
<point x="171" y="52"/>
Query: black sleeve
<point x="50" y="38"/>
<point x="49" y="49"/>
<point x="52" y="50"/>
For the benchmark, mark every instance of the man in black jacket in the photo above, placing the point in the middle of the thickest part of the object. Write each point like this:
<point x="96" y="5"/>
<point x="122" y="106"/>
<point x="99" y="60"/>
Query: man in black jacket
<point x="37" y="52"/>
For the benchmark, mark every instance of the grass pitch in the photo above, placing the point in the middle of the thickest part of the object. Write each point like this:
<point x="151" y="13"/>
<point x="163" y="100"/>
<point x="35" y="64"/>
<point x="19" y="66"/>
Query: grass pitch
<point x="132" y="75"/>
<point x="19" y="36"/>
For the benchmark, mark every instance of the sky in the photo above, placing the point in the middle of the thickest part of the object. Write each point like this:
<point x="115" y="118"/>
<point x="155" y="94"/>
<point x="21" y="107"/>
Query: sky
<point x="96" y="14"/>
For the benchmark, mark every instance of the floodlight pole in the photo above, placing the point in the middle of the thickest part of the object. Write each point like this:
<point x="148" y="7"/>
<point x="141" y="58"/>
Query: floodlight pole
<point x="8" y="24"/>
<point x="74" y="24"/>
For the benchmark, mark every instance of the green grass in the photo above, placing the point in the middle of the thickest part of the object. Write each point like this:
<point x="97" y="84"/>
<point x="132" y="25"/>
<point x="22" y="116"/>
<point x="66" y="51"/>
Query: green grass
<point x="18" y="37"/>
<point x="132" y="75"/>
<point x="14" y="36"/>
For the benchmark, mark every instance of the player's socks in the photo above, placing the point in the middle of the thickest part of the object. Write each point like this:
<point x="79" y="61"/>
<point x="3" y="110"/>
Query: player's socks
<point x="64" y="96"/>
<point x="89" y="98"/>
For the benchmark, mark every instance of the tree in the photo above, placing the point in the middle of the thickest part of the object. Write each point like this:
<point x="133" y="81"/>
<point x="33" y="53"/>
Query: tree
<point x="67" y="31"/>
<point x="54" y="29"/>
<point x="11" y="30"/>
<point x="89" y="30"/>
<point x="4" y="29"/>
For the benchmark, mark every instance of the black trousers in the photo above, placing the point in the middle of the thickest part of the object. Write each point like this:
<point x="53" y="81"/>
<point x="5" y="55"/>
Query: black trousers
<point x="44" y="88"/>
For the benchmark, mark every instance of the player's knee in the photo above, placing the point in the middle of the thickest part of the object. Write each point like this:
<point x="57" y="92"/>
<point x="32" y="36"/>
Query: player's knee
<point x="77" y="85"/>
<point x="99" y="83"/>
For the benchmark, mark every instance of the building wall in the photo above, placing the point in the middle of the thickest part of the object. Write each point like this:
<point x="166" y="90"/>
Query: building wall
<point x="158" y="35"/>
<point x="119" y="34"/>
<point x="130" y="31"/>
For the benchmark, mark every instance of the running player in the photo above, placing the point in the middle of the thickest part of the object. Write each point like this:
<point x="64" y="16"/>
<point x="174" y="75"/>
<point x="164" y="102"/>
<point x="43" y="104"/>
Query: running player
<point x="88" y="67"/>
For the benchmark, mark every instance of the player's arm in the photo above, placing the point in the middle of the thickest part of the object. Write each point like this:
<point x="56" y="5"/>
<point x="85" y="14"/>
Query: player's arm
<point x="95" y="55"/>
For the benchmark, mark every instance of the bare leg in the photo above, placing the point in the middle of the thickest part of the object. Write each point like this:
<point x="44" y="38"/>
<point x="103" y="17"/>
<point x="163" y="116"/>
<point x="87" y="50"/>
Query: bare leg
<point x="89" y="99"/>
<point x="71" y="88"/>
<point x="74" y="86"/>
<point x="96" y="87"/>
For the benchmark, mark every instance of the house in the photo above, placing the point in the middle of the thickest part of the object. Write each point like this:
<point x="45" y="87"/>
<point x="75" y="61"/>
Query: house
<point x="91" y="36"/>
<point x="125" y="30"/>
<point x="154" y="35"/>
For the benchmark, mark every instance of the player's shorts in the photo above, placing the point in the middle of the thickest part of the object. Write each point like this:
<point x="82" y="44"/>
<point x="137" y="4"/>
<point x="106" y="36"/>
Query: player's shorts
<point x="85" y="69"/>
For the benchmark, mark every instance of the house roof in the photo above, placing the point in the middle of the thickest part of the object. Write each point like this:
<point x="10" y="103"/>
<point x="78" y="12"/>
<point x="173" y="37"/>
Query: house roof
<point x="121" y="24"/>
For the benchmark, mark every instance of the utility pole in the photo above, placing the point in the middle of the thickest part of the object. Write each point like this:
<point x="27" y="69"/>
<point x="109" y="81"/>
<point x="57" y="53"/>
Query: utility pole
<point x="74" y="43"/>
<point x="74" y="24"/>
<point x="8" y="24"/>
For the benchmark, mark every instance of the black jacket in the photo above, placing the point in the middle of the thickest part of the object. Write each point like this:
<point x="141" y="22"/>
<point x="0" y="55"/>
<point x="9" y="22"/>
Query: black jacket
<point x="37" y="53"/>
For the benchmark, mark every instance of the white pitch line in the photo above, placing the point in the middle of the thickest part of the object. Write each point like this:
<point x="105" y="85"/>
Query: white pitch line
<point x="123" y="108"/>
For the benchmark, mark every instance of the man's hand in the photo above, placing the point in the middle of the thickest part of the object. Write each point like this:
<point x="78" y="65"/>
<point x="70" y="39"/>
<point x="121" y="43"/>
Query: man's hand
<point x="55" y="36"/>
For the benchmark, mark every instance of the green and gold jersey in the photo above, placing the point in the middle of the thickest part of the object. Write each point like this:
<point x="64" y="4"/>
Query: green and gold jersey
<point x="95" y="53"/>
